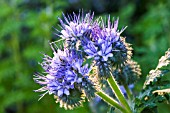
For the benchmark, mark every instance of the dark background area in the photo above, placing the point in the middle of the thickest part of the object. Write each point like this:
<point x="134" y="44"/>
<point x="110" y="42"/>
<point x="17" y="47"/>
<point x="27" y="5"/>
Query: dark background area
<point x="27" y="26"/>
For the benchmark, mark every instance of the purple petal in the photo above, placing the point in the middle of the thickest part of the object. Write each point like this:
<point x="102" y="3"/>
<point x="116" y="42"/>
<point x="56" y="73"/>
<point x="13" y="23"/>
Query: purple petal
<point x="79" y="80"/>
<point x="50" y="77"/>
<point x="100" y="53"/>
<point x="88" y="51"/>
<point x="109" y="55"/>
<point x="103" y="47"/>
<point x="66" y="91"/>
<point x="60" y="92"/>
<point x="116" y="24"/>
<point x="105" y="58"/>
<point x="108" y="49"/>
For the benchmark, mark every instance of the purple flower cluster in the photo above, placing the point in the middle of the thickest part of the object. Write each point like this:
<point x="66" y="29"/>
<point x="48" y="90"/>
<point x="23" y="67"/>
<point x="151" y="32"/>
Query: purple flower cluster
<point x="97" y="40"/>
<point x="65" y="73"/>
<point x="106" y="46"/>
<point x="86" y="40"/>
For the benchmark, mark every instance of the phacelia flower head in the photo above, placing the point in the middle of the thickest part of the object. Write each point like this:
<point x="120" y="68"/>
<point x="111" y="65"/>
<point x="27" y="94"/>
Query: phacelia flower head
<point x="75" y="26"/>
<point x="66" y="78"/>
<point x="129" y="73"/>
<point x="106" y="46"/>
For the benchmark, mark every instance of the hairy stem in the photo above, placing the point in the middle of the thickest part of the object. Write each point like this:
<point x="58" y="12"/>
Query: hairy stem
<point x="113" y="84"/>
<point x="111" y="101"/>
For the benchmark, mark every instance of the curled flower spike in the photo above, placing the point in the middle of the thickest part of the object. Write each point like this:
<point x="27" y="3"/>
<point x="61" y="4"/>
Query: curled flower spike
<point x="128" y="73"/>
<point x="66" y="78"/>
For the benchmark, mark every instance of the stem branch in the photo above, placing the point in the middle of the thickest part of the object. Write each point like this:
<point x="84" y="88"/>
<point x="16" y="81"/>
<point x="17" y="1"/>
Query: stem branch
<point x="111" y="101"/>
<point x="118" y="93"/>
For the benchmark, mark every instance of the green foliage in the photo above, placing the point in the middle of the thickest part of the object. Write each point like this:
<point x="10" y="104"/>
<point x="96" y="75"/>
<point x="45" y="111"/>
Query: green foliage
<point x="155" y="89"/>
<point x="25" y="30"/>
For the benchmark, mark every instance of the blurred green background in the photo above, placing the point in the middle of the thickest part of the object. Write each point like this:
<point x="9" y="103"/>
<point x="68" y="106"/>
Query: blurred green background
<point x="26" y="27"/>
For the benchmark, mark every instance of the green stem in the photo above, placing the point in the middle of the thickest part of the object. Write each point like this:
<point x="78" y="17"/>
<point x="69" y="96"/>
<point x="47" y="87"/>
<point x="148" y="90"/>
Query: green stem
<point x="118" y="93"/>
<point x="128" y="92"/>
<point x="111" y="101"/>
